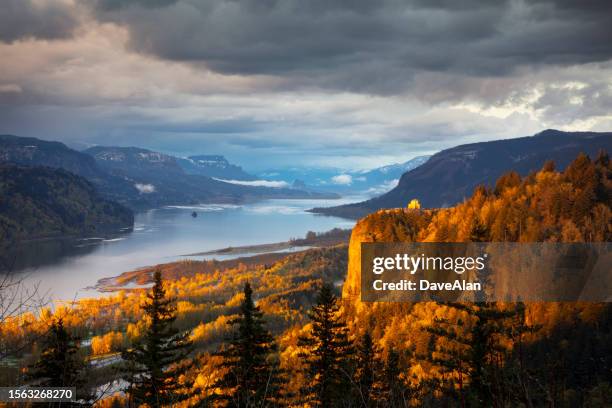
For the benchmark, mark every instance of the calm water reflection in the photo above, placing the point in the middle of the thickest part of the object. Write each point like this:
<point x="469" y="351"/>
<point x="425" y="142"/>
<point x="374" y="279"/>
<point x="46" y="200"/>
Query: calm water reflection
<point x="68" y="268"/>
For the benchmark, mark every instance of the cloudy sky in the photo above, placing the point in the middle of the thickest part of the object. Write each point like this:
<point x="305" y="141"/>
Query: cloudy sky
<point x="349" y="83"/>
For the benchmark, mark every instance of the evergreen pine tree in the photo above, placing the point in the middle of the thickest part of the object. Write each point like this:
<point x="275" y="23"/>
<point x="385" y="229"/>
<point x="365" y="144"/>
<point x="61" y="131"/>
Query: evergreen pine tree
<point x="156" y="361"/>
<point x="60" y="364"/>
<point x="251" y="379"/>
<point x="604" y="170"/>
<point x="366" y="369"/>
<point x="522" y="386"/>
<point x="393" y="388"/>
<point x="328" y="355"/>
<point x="472" y="353"/>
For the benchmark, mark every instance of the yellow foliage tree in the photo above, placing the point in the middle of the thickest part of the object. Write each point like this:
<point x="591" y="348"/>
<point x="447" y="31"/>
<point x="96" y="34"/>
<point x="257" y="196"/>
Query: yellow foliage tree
<point x="109" y="342"/>
<point x="414" y="204"/>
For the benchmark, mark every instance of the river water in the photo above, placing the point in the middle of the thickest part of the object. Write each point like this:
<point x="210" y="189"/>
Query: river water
<point x="68" y="269"/>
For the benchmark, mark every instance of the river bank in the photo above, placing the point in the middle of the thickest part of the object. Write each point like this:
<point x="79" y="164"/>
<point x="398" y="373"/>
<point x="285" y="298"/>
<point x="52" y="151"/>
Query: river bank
<point x="262" y="254"/>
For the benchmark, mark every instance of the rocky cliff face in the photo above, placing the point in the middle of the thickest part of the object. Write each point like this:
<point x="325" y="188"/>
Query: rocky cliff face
<point x="133" y="160"/>
<point x="214" y="166"/>
<point x="352" y="285"/>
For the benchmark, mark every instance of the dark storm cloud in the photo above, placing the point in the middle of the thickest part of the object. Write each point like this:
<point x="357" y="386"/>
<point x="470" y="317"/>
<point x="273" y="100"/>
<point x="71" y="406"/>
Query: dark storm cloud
<point x="366" y="45"/>
<point x="21" y="19"/>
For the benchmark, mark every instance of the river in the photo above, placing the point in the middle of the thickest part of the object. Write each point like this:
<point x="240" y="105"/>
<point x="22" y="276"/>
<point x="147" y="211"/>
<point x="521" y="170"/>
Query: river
<point x="68" y="269"/>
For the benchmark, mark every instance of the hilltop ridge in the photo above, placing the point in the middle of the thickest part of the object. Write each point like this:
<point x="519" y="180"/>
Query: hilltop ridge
<point x="46" y="202"/>
<point x="452" y="174"/>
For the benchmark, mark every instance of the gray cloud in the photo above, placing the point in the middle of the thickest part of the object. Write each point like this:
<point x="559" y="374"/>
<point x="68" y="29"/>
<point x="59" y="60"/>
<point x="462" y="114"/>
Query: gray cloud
<point x="366" y="46"/>
<point x="44" y="19"/>
<point x="565" y="102"/>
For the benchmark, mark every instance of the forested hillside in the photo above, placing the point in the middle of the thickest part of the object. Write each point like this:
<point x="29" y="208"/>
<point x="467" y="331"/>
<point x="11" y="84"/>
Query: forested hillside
<point x="30" y="151"/>
<point x="539" y="354"/>
<point x="208" y="296"/>
<point x="39" y="202"/>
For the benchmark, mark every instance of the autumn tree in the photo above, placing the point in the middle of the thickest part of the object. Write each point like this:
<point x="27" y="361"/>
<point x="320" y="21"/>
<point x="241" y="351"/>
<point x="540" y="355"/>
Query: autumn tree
<point x="414" y="204"/>
<point x="328" y="353"/>
<point x="106" y="343"/>
<point x="478" y="231"/>
<point x="508" y="180"/>
<point x="251" y="377"/>
<point x="156" y="361"/>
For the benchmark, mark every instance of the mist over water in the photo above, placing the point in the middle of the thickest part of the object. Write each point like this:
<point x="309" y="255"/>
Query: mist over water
<point x="68" y="269"/>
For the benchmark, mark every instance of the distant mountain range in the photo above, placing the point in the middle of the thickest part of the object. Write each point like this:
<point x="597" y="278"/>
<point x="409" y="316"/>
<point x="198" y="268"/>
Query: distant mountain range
<point x="140" y="178"/>
<point x="451" y="175"/>
<point x="162" y="179"/>
<point x="41" y="202"/>
<point x="367" y="182"/>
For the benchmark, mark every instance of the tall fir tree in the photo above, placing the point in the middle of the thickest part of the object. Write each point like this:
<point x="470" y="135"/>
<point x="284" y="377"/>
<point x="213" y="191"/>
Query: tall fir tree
<point x="518" y="375"/>
<point x="60" y="364"/>
<point x="328" y="354"/>
<point x="367" y="370"/>
<point x="252" y="376"/>
<point x="157" y="360"/>
<point x="470" y="355"/>
<point x="393" y="389"/>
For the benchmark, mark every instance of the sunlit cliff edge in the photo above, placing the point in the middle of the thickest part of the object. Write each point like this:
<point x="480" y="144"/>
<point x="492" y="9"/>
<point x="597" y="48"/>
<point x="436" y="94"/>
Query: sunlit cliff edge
<point x="569" y="206"/>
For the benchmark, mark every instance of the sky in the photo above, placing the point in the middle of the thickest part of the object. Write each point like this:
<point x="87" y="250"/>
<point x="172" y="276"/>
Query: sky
<point x="274" y="83"/>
